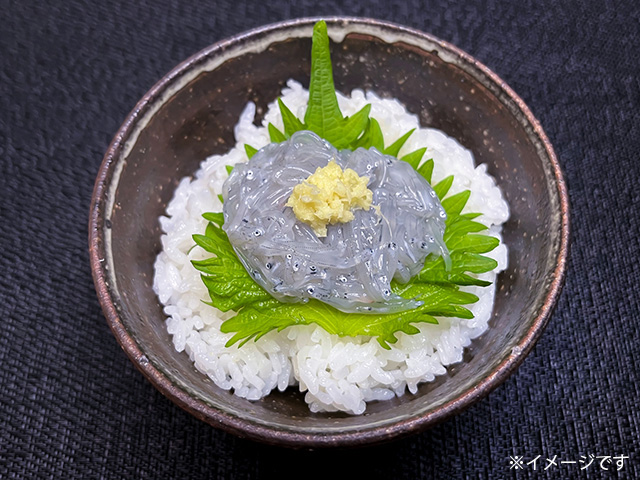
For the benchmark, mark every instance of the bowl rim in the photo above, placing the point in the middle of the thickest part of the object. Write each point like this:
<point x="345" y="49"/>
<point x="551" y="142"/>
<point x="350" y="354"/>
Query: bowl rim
<point x="259" y="432"/>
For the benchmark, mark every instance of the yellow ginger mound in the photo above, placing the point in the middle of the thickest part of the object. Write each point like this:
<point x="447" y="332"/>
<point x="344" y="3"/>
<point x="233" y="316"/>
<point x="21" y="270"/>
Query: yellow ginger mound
<point x="328" y="196"/>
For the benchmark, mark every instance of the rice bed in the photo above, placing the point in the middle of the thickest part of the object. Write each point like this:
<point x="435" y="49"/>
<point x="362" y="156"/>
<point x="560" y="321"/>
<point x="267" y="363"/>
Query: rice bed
<point x="336" y="373"/>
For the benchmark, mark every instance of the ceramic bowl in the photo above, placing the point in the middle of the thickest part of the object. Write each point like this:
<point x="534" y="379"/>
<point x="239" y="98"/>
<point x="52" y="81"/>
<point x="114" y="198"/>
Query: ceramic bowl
<point x="190" y="113"/>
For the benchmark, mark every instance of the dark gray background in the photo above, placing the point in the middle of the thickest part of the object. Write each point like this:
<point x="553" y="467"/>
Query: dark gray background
<point x="73" y="406"/>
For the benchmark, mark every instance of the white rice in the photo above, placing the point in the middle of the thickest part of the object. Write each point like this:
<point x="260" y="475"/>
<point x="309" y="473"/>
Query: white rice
<point x="337" y="374"/>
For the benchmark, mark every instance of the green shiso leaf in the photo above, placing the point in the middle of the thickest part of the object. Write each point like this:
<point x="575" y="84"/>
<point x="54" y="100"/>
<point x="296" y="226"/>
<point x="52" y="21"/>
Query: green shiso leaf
<point x="251" y="151"/>
<point x="442" y="187"/>
<point x="275" y="135"/>
<point x="395" y="147"/>
<point x="232" y="288"/>
<point x="352" y="128"/>
<point x="455" y="203"/>
<point x="372" y="137"/>
<point x="414" y="158"/>
<point x="426" y="170"/>
<point x="290" y="121"/>
<point x="217" y="217"/>
<point x="323" y="115"/>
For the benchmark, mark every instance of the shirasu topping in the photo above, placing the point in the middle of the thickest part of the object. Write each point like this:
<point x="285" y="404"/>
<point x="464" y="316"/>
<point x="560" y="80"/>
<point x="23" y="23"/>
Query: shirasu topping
<point x="351" y="268"/>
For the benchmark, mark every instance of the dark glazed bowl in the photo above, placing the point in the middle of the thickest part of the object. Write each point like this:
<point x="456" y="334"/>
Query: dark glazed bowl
<point x="190" y="115"/>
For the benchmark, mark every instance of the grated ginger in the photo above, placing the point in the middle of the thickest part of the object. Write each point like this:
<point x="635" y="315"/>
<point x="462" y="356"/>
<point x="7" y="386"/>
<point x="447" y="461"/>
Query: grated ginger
<point x="328" y="196"/>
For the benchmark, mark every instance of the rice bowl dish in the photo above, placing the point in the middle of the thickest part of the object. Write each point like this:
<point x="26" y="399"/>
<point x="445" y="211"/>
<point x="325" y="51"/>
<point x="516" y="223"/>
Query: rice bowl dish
<point x="335" y="373"/>
<point x="189" y="115"/>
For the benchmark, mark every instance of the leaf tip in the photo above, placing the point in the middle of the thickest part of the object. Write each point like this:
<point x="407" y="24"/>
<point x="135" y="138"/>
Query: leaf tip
<point x="249" y="150"/>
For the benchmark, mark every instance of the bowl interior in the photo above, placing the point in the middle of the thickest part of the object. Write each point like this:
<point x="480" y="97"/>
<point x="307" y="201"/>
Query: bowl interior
<point x="190" y="115"/>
